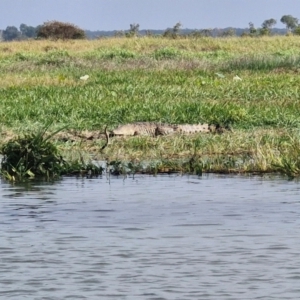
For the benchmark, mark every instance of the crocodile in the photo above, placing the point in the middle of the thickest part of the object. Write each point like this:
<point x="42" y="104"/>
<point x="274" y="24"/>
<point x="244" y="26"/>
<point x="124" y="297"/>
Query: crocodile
<point x="155" y="129"/>
<point x="143" y="128"/>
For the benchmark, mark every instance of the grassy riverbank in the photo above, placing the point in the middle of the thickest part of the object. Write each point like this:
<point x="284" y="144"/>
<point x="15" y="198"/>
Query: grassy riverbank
<point x="156" y="79"/>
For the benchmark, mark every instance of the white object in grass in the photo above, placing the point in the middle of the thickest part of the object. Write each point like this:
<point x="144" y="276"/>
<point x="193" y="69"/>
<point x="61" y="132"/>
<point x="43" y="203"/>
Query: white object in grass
<point x="85" y="77"/>
<point x="237" y="78"/>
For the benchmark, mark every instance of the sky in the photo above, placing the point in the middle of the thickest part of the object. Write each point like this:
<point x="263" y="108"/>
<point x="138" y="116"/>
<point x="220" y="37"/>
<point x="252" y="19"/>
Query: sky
<point x="149" y="14"/>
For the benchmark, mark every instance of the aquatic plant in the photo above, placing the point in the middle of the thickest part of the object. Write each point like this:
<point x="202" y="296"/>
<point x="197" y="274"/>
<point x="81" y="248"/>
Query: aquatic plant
<point x="35" y="156"/>
<point x="32" y="155"/>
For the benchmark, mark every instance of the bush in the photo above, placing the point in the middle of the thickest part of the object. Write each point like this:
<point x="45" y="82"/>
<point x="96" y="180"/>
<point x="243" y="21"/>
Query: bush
<point x="58" y="30"/>
<point x="35" y="156"/>
<point x="31" y="156"/>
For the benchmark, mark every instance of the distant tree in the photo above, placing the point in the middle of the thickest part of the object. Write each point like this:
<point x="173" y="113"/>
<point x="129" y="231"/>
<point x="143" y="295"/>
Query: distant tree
<point x="269" y="23"/>
<point x="290" y="22"/>
<point x="168" y="33"/>
<point x="206" y="32"/>
<point x="176" y="28"/>
<point x="149" y="33"/>
<point x="173" y="32"/>
<point x="133" y="30"/>
<point x="252" y="29"/>
<point x="251" y="32"/>
<point x="195" y="34"/>
<point x="27" y="31"/>
<point x="297" y="30"/>
<point x="264" y="31"/>
<point x="267" y="27"/>
<point x="11" y="33"/>
<point x="119" y="33"/>
<point x="59" y="30"/>
<point x="228" y="32"/>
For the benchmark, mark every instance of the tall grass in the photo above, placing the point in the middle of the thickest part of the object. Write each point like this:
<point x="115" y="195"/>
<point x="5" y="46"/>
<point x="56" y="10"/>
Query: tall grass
<point x="236" y="45"/>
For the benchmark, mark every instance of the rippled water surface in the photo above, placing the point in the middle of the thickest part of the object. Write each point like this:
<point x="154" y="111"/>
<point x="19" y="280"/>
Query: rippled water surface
<point x="164" y="237"/>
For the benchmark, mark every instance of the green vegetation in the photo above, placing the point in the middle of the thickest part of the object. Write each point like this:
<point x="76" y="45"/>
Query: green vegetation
<point x="289" y="21"/>
<point x="35" y="156"/>
<point x="182" y="80"/>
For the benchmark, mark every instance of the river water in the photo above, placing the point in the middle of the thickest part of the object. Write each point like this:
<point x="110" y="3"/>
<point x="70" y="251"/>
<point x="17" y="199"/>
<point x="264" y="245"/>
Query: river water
<point x="164" y="237"/>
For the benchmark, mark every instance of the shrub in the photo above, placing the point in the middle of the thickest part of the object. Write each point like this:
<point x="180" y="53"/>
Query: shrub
<point x="59" y="30"/>
<point x="31" y="156"/>
<point x="35" y="156"/>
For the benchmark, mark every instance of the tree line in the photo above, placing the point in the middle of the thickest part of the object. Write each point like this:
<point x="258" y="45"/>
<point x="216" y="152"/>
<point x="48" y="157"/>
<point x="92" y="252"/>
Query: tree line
<point x="60" y="30"/>
<point x="51" y="29"/>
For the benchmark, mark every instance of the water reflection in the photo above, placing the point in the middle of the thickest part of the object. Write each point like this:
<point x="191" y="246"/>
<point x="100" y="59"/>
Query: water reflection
<point x="39" y="190"/>
<point x="164" y="237"/>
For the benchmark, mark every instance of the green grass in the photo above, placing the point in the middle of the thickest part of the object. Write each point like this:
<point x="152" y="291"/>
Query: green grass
<point x="112" y="98"/>
<point x="156" y="79"/>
